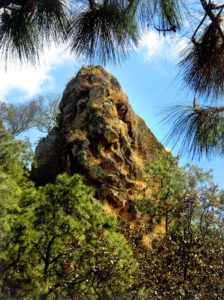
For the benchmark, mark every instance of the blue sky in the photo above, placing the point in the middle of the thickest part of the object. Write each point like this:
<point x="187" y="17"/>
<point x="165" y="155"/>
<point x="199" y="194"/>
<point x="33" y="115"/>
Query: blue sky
<point x="148" y="77"/>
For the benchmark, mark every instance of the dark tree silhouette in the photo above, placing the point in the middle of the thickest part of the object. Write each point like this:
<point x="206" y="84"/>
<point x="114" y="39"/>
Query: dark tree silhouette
<point x="105" y="30"/>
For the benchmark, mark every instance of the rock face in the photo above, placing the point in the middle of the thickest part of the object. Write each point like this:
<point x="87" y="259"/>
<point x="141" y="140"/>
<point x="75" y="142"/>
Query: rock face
<point x="98" y="135"/>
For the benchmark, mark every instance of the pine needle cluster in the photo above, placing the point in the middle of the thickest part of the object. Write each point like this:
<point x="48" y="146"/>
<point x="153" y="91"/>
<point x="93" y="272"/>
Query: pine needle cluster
<point x="95" y="30"/>
<point x="25" y="26"/>
<point x="203" y="63"/>
<point x="199" y="130"/>
<point x="110" y="30"/>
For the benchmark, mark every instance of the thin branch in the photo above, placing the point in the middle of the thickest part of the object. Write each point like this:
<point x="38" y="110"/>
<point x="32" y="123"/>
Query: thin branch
<point x="13" y="263"/>
<point x="47" y="258"/>
<point x="38" y="250"/>
<point x="213" y="18"/>
<point x="214" y="109"/>
<point x="218" y="7"/>
<point x="72" y="283"/>
<point x="193" y="36"/>
<point x="131" y="2"/>
<point x="92" y="4"/>
<point x="60" y="255"/>
<point x="173" y="28"/>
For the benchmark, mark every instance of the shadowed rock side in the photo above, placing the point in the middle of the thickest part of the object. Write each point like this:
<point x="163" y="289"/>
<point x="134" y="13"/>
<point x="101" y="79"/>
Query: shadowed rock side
<point x="98" y="135"/>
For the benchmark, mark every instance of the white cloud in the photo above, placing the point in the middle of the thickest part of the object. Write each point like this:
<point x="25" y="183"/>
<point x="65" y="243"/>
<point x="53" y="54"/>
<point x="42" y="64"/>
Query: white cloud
<point x="31" y="79"/>
<point x="158" y="46"/>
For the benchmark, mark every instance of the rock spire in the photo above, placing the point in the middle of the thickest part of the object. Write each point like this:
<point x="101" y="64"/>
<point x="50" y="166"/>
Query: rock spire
<point x="98" y="135"/>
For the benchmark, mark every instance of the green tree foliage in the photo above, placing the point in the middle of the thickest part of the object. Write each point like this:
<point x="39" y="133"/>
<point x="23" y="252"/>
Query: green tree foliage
<point x="165" y="180"/>
<point x="40" y="113"/>
<point x="200" y="129"/>
<point x="55" y="241"/>
<point x="14" y="158"/>
<point x="104" y="30"/>
<point x="202" y="63"/>
<point x="26" y="25"/>
<point x="187" y="261"/>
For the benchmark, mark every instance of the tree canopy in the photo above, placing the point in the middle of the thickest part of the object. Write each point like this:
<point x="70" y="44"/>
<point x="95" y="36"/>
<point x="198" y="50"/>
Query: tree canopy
<point x="40" y="113"/>
<point x="105" y="31"/>
<point x="186" y="261"/>
<point x="56" y="241"/>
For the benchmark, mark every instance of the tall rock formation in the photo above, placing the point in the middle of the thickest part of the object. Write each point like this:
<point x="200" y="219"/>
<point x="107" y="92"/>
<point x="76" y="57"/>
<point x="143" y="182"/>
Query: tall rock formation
<point x="98" y="135"/>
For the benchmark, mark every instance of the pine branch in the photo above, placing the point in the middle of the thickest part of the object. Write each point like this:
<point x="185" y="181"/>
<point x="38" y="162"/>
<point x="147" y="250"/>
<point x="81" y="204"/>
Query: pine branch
<point x="208" y="9"/>
<point x="199" y="129"/>
<point x="196" y="30"/>
<point x="92" y="4"/>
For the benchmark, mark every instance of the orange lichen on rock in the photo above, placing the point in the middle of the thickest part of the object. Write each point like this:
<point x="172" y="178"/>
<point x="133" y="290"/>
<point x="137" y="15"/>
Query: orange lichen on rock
<point x="99" y="135"/>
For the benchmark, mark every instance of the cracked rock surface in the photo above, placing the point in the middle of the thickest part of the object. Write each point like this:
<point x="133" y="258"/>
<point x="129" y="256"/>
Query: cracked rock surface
<point x="99" y="136"/>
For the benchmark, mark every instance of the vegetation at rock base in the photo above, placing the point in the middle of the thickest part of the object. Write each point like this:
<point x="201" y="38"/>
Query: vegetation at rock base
<point x="57" y="243"/>
<point x="186" y="262"/>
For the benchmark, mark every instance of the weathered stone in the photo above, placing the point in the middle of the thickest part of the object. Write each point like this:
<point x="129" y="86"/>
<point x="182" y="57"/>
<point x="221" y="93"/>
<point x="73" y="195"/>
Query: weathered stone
<point x="99" y="136"/>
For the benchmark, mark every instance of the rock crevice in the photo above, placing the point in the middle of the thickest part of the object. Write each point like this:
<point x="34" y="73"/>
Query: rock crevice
<point x="98" y="135"/>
